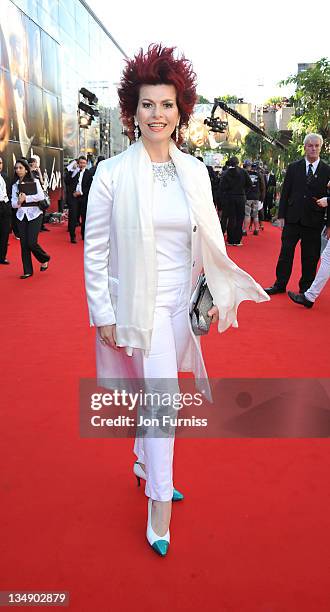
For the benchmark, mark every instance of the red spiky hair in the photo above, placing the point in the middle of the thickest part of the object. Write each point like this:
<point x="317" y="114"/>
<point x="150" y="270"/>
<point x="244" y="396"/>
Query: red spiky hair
<point x="155" y="67"/>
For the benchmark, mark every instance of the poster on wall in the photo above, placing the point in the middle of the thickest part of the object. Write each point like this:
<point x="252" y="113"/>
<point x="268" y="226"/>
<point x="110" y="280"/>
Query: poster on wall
<point x="30" y="114"/>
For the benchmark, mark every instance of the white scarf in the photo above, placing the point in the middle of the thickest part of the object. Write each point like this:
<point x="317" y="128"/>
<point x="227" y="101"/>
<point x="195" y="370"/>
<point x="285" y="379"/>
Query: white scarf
<point x="137" y="268"/>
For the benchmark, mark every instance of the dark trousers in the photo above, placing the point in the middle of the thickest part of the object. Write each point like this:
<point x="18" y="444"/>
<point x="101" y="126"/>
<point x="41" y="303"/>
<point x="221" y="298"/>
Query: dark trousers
<point x="43" y="219"/>
<point x="77" y="209"/>
<point x="261" y="215"/>
<point x="232" y="218"/>
<point x="83" y="212"/>
<point x="28" y="231"/>
<point x="14" y="222"/>
<point x="5" y="221"/>
<point x="310" y="238"/>
<point x="268" y="204"/>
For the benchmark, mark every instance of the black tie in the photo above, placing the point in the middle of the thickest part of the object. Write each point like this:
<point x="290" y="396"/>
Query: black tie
<point x="310" y="174"/>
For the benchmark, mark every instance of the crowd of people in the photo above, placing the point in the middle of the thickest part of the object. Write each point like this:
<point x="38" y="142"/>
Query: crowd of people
<point x="244" y="197"/>
<point x="22" y="209"/>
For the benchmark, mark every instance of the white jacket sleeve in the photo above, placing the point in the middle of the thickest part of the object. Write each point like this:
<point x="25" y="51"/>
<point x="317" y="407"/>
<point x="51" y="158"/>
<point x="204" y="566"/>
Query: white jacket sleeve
<point x="14" y="197"/>
<point x="97" y="248"/>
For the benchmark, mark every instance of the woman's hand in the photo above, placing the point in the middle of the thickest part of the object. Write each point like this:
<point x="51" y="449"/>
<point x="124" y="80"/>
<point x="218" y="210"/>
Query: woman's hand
<point x="107" y="335"/>
<point x="21" y="198"/>
<point x="214" y="313"/>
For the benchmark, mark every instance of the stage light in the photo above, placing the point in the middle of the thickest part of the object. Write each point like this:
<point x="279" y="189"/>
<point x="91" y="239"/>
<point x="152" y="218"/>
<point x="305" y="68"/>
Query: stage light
<point x="89" y="95"/>
<point x="93" y="112"/>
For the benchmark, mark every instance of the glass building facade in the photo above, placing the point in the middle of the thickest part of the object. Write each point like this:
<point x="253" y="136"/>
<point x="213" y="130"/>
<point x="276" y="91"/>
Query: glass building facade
<point x="49" y="49"/>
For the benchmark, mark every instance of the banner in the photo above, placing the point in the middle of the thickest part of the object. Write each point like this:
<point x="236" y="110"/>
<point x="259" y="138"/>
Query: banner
<point x="30" y="101"/>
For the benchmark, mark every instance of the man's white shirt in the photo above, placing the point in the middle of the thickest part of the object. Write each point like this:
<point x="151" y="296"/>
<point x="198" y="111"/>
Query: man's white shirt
<point x="314" y="165"/>
<point x="79" y="184"/>
<point x="3" y="190"/>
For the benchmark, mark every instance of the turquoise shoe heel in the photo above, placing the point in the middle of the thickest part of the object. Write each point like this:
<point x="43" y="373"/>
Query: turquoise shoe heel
<point x="177" y="496"/>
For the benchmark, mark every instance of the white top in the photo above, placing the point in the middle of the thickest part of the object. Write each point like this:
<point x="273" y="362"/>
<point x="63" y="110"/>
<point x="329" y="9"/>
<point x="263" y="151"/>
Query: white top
<point x="79" y="184"/>
<point x="172" y="226"/>
<point x="314" y="165"/>
<point x="3" y="190"/>
<point x="31" y="212"/>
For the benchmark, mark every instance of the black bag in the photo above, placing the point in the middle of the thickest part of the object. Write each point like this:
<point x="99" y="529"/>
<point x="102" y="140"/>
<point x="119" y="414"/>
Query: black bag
<point x="44" y="204"/>
<point x="200" y="303"/>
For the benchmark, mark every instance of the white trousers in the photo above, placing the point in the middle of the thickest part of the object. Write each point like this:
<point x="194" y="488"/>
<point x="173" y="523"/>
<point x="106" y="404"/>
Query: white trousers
<point x="322" y="276"/>
<point x="170" y="338"/>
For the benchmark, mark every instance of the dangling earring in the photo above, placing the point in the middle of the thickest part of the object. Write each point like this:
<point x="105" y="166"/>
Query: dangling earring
<point x="136" y="131"/>
<point x="177" y="133"/>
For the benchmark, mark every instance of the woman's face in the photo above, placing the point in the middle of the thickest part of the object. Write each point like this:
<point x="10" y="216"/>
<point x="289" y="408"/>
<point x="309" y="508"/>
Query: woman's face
<point x="20" y="170"/>
<point x="157" y="113"/>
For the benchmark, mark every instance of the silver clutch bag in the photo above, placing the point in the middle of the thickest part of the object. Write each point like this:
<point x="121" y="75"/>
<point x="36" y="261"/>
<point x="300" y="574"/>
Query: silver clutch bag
<point x="200" y="303"/>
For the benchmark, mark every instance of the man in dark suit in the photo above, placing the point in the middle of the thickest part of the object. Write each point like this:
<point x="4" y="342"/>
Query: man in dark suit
<point x="300" y="216"/>
<point x="77" y="202"/>
<point x="270" y="182"/>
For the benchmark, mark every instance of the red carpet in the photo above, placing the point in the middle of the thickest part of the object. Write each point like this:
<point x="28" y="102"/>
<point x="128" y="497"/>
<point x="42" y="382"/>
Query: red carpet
<point x="253" y="533"/>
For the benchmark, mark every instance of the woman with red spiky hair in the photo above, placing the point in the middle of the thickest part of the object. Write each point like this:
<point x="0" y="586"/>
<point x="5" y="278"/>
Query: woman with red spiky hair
<point x="151" y="228"/>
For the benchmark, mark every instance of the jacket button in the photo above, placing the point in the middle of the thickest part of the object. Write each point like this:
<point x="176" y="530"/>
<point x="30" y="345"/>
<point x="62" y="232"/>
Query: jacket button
<point x="195" y="228"/>
<point x="193" y="263"/>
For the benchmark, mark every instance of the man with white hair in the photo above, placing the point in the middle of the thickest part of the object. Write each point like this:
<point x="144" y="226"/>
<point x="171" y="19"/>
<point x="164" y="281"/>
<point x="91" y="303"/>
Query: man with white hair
<point x="301" y="217"/>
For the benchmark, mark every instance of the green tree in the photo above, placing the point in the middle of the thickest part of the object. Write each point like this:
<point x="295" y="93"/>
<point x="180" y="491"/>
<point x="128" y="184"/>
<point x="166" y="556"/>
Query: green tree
<point x="256" y="147"/>
<point x="276" y="101"/>
<point x="229" y="99"/>
<point x="202" y="100"/>
<point x="311" y="101"/>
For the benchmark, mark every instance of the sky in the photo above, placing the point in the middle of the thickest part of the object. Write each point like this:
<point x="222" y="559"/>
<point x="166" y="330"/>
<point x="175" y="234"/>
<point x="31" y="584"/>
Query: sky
<point x="238" y="47"/>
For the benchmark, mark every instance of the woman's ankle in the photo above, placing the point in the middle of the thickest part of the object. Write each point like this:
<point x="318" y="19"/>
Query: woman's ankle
<point x="161" y="516"/>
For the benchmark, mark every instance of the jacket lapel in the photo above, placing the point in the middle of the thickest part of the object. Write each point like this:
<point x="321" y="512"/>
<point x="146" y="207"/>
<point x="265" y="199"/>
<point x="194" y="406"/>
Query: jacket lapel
<point x="302" y="169"/>
<point x="319" y="169"/>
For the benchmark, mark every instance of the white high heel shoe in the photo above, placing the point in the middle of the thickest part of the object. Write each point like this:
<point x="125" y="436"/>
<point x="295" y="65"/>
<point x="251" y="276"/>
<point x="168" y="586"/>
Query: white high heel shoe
<point x="140" y="473"/>
<point x="160" y="544"/>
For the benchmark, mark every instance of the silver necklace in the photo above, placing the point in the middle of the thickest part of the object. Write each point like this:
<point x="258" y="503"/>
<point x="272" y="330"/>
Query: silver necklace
<point x="164" y="172"/>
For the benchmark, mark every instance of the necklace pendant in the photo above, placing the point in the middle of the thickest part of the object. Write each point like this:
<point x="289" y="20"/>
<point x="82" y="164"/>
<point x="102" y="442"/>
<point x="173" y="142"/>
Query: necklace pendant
<point x="164" y="172"/>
